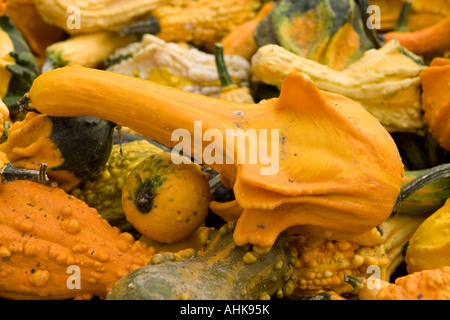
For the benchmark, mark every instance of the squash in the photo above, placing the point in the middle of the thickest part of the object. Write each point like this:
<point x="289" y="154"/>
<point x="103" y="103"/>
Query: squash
<point x="54" y="246"/>
<point x="295" y="267"/>
<point x="89" y="50"/>
<point x="325" y="264"/>
<point x="103" y="191"/>
<point x="165" y="201"/>
<point x="424" y="13"/>
<point x="177" y="65"/>
<point x="74" y="148"/>
<point x="337" y="197"/>
<point x="429" y="246"/>
<point x="436" y="99"/>
<point x="328" y="32"/>
<point x="228" y="89"/>
<point x="421" y="285"/>
<point x="94" y="15"/>
<point x="18" y="66"/>
<point x="430" y="41"/>
<point x="426" y="199"/>
<point x="211" y="273"/>
<point x="386" y="81"/>
<point x="37" y="33"/>
<point x="200" y="22"/>
<point x="240" y="40"/>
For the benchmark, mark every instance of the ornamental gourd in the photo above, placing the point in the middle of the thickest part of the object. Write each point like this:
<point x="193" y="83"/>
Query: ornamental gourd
<point x="385" y="81"/>
<point x="295" y="267"/>
<point x="89" y="50"/>
<point x="436" y="99"/>
<point x="429" y="246"/>
<point x="47" y="235"/>
<point x="176" y="65"/>
<point x="423" y="13"/>
<point x="240" y="40"/>
<point x="74" y="148"/>
<point x="350" y="188"/>
<point x="18" y="66"/>
<point x="96" y="15"/>
<point x="166" y="202"/>
<point x="200" y="22"/>
<point x="327" y="32"/>
<point x="37" y="33"/>
<point x="433" y="284"/>
<point x="103" y="191"/>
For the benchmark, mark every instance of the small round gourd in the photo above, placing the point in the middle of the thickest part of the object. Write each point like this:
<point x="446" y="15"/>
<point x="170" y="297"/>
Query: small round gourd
<point x="165" y="201"/>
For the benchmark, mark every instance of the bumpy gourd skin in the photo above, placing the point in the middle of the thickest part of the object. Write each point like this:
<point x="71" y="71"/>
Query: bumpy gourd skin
<point x="221" y="271"/>
<point x="433" y="284"/>
<point x="104" y="190"/>
<point x="44" y="231"/>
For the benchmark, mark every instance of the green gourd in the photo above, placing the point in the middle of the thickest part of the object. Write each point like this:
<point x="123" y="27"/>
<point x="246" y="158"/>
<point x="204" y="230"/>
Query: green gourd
<point x="229" y="272"/>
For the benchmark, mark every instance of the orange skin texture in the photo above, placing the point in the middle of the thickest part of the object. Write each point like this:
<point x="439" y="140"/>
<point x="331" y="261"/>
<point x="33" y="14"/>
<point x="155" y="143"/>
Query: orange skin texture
<point x="431" y="284"/>
<point x="44" y="230"/>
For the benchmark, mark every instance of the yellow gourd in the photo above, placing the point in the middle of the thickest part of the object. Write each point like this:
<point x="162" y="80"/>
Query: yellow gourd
<point x="429" y="246"/>
<point x="166" y="202"/>
<point x="349" y="188"/>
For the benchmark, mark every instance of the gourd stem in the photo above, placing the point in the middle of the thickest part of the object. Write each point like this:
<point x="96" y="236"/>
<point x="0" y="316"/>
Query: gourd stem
<point x="353" y="281"/>
<point x="24" y="104"/>
<point x="402" y="22"/>
<point x="10" y="173"/>
<point x="150" y="25"/>
<point x="438" y="172"/>
<point x="224" y="76"/>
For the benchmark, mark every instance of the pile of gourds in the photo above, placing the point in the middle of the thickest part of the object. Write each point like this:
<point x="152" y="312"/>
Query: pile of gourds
<point x="97" y="200"/>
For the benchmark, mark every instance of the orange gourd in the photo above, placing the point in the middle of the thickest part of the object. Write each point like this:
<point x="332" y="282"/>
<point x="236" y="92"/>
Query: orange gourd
<point x="3" y="5"/>
<point x="228" y="89"/>
<point x="240" y="40"/>
<point x="436" y="99"/>
<point x="432" y="40"/>
<point x="335" y="171"/>
<point x="54" y="246"/>
<point x="37" y="33"/>
<point x="431" y="284"/>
